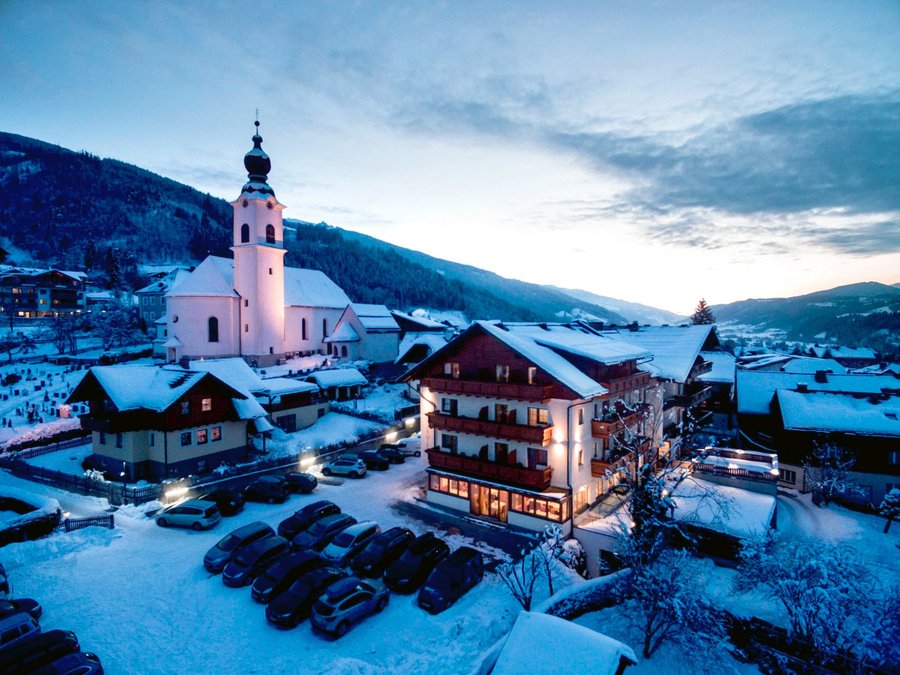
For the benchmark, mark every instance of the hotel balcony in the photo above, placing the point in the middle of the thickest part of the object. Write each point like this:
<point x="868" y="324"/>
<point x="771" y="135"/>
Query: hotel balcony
<point x="506" y="474"/>
<point x="599" y="467"/>
<point x="694" y="394"/>
<point x="701" y="368"/>
<point x="536" y="435"/>
<point x="520" y="392"/>
<point x="621" y="385"/>
<point x="614" y="425"/>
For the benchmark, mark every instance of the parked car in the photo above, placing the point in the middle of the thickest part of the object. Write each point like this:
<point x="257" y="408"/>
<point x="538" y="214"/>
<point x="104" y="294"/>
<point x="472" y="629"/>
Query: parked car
<point x="345" y="466"/>
<point x="252" y="560"/>
<point x="27" y="605"/>
<point x="4" y="582"/>
<point x="414" y="565"/>
<point x="297" y="481"/>
<point x="380" y="552"/>
<point x="196" y="514"/>
<point x="349" y="542"/>
<point x="451" y="579"/>
<point x="31" y="655"/>
<point x="268" y="489"/>
<point x="407" y="449"/>
<point x="292" y="606"/>
<point x="294" y="524"/>
<point x="228" y="546"/>
<point x="17" y="628"/>
<point x="346" y="602"/>
<point x="230" y="502"/>
<point x="318" y="535"/>
<point x="76" y="663"/>
<point x="391" y="453"/>
<point x="282" y="573"/>
<point x="374" y="460"/>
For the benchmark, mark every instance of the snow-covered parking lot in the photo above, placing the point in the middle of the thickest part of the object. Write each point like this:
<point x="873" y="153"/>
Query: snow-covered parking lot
<point x="140" y="598"/>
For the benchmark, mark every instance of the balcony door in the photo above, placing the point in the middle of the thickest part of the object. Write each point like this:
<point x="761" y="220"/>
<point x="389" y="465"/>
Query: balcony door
<point x="488" y="501"/>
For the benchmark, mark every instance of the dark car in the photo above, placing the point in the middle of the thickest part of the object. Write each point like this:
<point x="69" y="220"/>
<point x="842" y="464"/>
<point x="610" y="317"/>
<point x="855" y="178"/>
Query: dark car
<point x="230" y="502"/>
<point x="35" y="652"/>
<point x="294" y="524"/>
<point x="293" y="605"/>
<point x="222" y="553"/>
<point x="269" y="489"/>
<point x="453" y="577"/>
<point x="374" y="460"/>
<point x="304" y="483"/>
<point x="318" y="535"/>
<point x="384" y="549"/>
<point x="283" y="572"/>
<point x="252" y="560"/>
<point x="76" y="663"/>
<point x="414" y="565"/>
<point x="4" y="582"/>
<point x="27" y="605"/>
<point x="392" y="454"/>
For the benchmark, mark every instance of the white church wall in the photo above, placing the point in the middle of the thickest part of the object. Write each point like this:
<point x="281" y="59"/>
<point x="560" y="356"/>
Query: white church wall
<point x="189" y="322"/>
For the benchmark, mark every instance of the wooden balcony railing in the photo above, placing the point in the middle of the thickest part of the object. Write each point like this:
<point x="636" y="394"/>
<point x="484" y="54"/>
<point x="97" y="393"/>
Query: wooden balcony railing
<point x="536" y="435"/>
<point x="534" y="479"/>
<point x="694" y="395"/>
<point x="620" y="385"/>
<point x="607" y="428"/>
<point x="701" y="368"/>
<point x="522" y="392"/>
<point x="599" y="467"/>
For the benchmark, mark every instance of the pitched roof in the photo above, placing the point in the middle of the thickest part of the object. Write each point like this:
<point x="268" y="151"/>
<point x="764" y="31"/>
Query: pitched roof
<point x="844" y="352"/>
<point x="214" y="277"/>
<point x="165" y="284"/>
<point x="433" y="341"/>
<point x="674" y="348"/>
<point x="831" y="411"/>
<point x="755" y="389"/>
<point x="312" y="288"/>
<point x="344" y="333"/>
<point x="413" y="323"/>
<point x="375" y="318"/>
<point x="340" y="377"/>
<point x="237" y="374"/>
<point x="723" y="368"/>
<point x="805" y="364"/>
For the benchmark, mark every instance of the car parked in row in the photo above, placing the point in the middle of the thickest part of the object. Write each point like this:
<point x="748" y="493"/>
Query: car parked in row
<point x="302" y="483"/>
<point x="300" y="520"/>
<point x="196" y="514"/>
<point x="318" y="535"/>
<point x="349" y="541"/>
<point x="451" y="579"/>
<point x="228" y="546"/>
<point x="374" y="460"/>
<point x="381" y="551"/>
<point x="230" y="502"/>
<point x="268" y="489"/>
<point x="392" y="453"/>
<point x="346" y="602"/>
<point x="76" y="663"/>
<point x="414" y="565"/>
<point x="17" y="628"/>
<point x="14" y="606"/>
<point x="289" y="608"/>
<point x="35" y="651"/>
<point x="252" y="560"/>
<point x="345" y="465"/>
<point x="282" y="573"/>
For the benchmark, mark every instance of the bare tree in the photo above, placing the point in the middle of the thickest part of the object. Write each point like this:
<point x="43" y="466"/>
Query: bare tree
<point x="520" y="577"/>
<point x="549" y="552"/>
<point x="827" y="469"/>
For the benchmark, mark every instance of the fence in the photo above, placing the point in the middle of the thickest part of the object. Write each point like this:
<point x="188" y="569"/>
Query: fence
<point x="72" y="524"/>
<point x="37" y="451"/>
<point x="116" y="493"/>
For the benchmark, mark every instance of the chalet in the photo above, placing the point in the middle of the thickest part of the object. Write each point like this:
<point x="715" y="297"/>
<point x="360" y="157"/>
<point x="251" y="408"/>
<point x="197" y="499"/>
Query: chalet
<point x="153" y="422"/>
<point x="365" y="332"/>
<point x="27" y="292"/>
<point x="852" y="357"/>
<point x="420" y="337"/>
<point x="526" y="423"/>
<point x="339" y="384"/>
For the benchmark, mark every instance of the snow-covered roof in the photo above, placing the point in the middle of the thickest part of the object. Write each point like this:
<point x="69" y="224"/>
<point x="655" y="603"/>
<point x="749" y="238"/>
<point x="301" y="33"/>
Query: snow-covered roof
<point x="674" y="348"/>
<point x="14" y="270"/>
<point x="732" y="510"/>
<point x="344" y="333"/>
<point x="807" y="364"/>
<point x="723" y="367"/>
<point x="755" y="389"/>
<point x="237" y="374"/>
<point x="844" y="352"/>
<point x="312" y="288"/>
<point x="165" y="284"/>
<point x="829" y="411"/>
<point x="433" y="341"/>
<point x="214" y="277"/>
<point x="541" y="644"/>
<point x="279" y="386"/>
<point x="422" y="322"/>
<point x="375" y="318"/>
<point x="341" y="377"/>
<point x="879" y="369"/>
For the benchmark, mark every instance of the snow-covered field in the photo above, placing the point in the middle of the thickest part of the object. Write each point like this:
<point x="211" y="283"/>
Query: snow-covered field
<point x="67" y="461"/>
<point x="382" y="400"/>
<point x="140" y="598"/>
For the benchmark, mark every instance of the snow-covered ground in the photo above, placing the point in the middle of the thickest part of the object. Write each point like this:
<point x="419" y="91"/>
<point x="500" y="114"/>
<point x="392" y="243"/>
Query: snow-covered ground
<point x="140" y="598"/>
<point x="67" y="461"/>
<point x="329" y="429"/>
<point x="382" y="400"/>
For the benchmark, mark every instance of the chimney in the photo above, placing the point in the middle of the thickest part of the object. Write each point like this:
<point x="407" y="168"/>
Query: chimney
<point x="821" y="376"/>
<point x="802" y="387"/>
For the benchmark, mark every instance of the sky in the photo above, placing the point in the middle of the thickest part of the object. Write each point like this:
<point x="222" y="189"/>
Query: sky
<point x="657" y="152"/>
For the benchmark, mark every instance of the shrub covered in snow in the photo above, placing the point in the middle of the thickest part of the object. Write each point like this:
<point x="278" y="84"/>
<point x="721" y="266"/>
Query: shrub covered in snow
<point x="44" y="434"/>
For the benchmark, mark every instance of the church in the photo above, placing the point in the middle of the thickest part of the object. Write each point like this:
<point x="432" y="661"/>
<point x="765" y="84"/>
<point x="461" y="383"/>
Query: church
<point x="252" y="306"/>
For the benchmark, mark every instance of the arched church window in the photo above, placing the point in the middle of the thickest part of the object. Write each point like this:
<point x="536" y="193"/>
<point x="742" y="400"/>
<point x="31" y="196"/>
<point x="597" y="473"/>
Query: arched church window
<point x="303" y="328"/>
<point x="344" y="351"/>
<point x="213" y="329"/>
<point x="245" y="233"/>
<point x="270" y="234"/>
<point x="245" y="203"/>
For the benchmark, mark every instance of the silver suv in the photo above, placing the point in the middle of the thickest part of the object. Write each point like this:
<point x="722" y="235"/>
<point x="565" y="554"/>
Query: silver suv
<point x="349" y="542"/>
<point x="194" y="513"/>
<point x="345" y="466"/>
<point x="347" y="601"/>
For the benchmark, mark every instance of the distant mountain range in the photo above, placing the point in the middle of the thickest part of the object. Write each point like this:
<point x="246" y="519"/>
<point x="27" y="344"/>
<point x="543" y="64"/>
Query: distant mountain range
<point x="866" y="313"/>
<point x="633" y="310"/>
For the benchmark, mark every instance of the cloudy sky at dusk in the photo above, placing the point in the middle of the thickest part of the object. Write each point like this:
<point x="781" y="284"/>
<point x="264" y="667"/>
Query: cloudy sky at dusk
<point x="656" y="152"/>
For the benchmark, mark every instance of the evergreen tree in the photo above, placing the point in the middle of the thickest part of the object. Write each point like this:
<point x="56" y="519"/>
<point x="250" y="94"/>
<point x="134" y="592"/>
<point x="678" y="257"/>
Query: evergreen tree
<point x="702" y="314"/>
<point x="111" y="267"/>
<point x="90" y="254"/>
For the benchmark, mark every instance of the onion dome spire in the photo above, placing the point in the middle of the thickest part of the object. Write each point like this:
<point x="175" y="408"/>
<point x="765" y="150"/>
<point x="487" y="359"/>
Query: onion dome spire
<point x="258" y="165"/>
